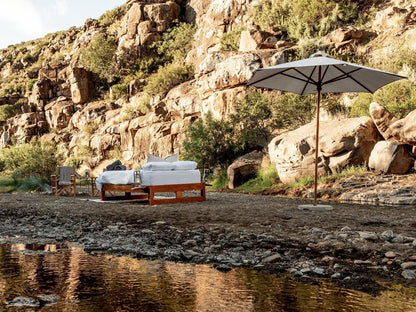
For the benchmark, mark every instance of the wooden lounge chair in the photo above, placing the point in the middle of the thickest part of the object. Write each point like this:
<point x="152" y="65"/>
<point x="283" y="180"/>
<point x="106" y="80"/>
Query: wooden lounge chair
<point x="63" y="181"/>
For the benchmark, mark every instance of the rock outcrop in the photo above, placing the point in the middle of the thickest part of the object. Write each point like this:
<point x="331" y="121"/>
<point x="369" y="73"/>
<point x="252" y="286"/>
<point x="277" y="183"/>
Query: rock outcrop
<point x="391" y="157"/>
<point x="342" y="143"/>
<point x="392" y="129"/>
<point x="244" y="168"/>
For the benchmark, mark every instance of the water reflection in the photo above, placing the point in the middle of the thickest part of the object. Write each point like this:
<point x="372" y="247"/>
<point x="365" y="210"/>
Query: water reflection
<point x="82" y="282"/>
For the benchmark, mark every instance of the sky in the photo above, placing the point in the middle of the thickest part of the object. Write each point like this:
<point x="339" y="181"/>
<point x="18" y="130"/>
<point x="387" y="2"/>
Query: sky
<point x="25" y="20"/>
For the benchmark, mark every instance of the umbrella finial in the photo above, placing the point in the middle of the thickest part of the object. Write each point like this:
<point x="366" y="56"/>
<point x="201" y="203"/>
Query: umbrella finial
<point x="320" y="54"/>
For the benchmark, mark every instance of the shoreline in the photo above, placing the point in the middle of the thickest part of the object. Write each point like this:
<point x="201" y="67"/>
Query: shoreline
<point x="353" y="246"/>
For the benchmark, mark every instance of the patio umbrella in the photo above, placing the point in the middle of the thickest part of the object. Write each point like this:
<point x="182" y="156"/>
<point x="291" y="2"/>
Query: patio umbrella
<point x="319" y="74"/>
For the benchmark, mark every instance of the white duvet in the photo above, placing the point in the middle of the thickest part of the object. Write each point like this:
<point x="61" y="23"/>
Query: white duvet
<point x="149" y="178"/>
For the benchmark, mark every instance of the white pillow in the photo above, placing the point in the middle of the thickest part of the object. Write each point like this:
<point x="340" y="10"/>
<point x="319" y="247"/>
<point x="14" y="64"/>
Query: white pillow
<point x="185" y="165"/>
<point x="158" y="166"/>
<point x="153" y="158"/>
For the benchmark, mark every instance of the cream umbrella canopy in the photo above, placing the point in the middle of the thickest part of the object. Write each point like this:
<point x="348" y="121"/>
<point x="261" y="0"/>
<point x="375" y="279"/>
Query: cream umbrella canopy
<point x="319" y="74"/>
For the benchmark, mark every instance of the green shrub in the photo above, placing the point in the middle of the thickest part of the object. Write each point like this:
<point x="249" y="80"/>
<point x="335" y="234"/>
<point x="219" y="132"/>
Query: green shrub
<point x="265" y="179"/>
<point x="293" y="110"/>
<point x="307" y="18"/>
<point x="230" y="41"/>
<point x="73" y="162"/>
<point x="38" y="159"/>
<point x="34" y="183"/>
<point x="112" y="16"/>
<point x="176" y="42"/>
<point x="399" y="98"/>
<point x="167" y="77"/>
<point x="219" y="180"/>
<point x="253" y="120"/>
<point x="210" y="142"/>
<point x="119" y="90"/>
<point x="100" y="57"/>
<point x="6" y="111"/>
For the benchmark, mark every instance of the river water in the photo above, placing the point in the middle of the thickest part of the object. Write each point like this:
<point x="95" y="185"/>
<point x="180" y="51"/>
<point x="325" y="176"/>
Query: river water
<point x="65" y="278"/>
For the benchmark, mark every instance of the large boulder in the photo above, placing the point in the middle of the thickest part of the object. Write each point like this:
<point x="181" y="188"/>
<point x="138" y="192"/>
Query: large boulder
<point x="391" y="157"/>
<point x="82" y="85"/>
<point x="392" y="129"/>
<point x="223" y="70"/>
<point x="244" y="168"/>
<point x="59" y="112"/>
<point x="342" y="143"/>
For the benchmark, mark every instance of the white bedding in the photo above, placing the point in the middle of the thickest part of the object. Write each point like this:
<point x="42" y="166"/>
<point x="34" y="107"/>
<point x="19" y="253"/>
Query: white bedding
<point x="149" y="177"/>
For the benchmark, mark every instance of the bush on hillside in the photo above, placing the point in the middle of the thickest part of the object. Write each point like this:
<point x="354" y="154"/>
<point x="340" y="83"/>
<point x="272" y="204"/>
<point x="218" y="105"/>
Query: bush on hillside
<point x="230" y="41"/>
<point x="167" y="77"/>
<point x="306" y="18"/>
<point x="100" y="57"/>
<point x="176" y="42"/>
<point x="38" y="159"/>
<point x="6" y="111"/>
<point x="210" y="142"/>
<point x="253" y="120"/>
<point x="399" y="98"/>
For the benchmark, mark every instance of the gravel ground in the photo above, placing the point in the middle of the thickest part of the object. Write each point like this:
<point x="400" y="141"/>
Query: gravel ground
<point x="355" y="246"/>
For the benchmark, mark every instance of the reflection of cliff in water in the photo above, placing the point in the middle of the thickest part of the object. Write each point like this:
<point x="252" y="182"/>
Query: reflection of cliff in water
<point x="107" y="283"/>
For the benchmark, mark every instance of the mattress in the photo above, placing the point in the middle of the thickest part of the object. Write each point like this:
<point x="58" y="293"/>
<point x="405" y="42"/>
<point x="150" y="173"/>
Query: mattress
<point x="170" y="177"/>
<point x="149" y="178"/>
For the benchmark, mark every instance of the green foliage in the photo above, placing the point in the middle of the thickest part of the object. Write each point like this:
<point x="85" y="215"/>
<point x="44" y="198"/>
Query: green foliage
<point x="219" y="180"/>
<point x="253" y="120"/>
<point x="7" y="184"/>
<point x="176" y="42"/>
<point x="265" y="179"/>
<point x="230" y="41"/>
<point x="307" y="18"/>
<point x="139" y="106"/>
<point x="119" y="90"/>
<point x="33" y="183"/>
<point x="345" y="173"/>
<point x="399" y="98"/>
<point x="210" y="142"/>
<point x="73" y="162"/>
<point x="38" y="159"/>
<point x="6" y="111"/>
<point x="167" y="77"/>
<point x="293" y="110"/>
<point x="100" y="57"/>
<point x="112" y="16"/>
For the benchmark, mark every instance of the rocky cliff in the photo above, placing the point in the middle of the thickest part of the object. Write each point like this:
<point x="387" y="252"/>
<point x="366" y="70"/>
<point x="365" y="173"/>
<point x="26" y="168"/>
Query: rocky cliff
<point x="59" y="99"/>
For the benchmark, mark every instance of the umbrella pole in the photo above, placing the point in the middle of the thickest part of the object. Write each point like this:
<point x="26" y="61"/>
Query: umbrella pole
<point x="315" y="192"/>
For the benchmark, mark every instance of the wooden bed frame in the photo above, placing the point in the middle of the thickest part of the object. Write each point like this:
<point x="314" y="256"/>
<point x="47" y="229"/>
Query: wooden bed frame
<point x="148" y="192"/>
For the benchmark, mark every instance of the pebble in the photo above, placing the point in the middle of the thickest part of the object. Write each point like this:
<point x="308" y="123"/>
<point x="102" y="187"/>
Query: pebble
<point x="346" y="229"/>
<point x="273" y="258"/>
<point x="408" y="265"/>
<point x="409" y="274"/>
<point x="368" y="235"/>
<point x="23" y="302"/>
<point x="388" y="234"/>
<point x="390" y="254"/>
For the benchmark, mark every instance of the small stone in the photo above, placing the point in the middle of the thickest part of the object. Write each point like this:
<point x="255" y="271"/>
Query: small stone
<point x="272" y="259"/>
<point x="336" y="275"/>
<point x="408" y="265"/>
<point x="388" y="234"/>
<point x="390" y="254"/>
<point x="23" y="302"/>
<point x="346" y="229"/>
<point x="409" y="274"/>
<point x="148" y="231"/>
<point x="49" y="299"/>
<point x="319" y="271"/>
<point x="190" y="242"/>
<point x="305" y="270"/>
<point x="368" y="235"/>
<point x="362" y="262"/>
<point x="316" y="230"/>
<point x="159" y="223"/>
<point x="399" y="239"/>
